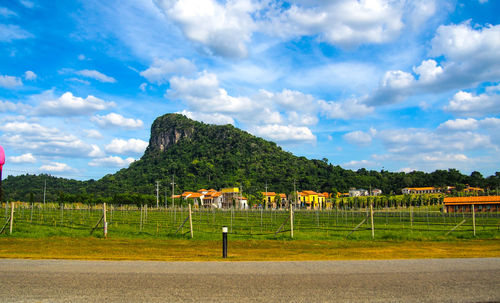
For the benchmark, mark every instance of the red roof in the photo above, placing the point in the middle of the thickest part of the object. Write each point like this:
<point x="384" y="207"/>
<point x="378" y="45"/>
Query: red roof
<point x="269" y="193"/>
<point x="472" y="200"/>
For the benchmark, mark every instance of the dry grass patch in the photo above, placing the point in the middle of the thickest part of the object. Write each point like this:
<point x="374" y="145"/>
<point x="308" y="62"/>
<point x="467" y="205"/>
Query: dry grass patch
<point x="245" y="250"/>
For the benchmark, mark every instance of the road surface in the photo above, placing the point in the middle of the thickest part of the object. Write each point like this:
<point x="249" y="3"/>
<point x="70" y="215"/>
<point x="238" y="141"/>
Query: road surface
<point x="428" y="280"/>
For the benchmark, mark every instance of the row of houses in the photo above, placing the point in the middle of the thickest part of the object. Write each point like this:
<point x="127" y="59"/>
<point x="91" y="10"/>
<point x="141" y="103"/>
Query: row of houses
<point x="211" y="198"/>
<point x="435" y="190"/>
<point x="232" y="197"/>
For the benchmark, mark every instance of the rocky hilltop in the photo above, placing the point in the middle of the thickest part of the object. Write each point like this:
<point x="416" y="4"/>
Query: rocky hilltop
<point x="169" y="129"/>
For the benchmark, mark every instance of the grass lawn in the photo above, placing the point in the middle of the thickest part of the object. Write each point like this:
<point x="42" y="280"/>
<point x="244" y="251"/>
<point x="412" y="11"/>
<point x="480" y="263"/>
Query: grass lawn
<point x="90" y="248"/>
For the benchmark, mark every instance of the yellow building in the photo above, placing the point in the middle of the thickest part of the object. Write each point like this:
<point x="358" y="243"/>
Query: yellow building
<point x="311" y="199"/>
<point x="268" y="199"/>
<point x="230" y="190"/>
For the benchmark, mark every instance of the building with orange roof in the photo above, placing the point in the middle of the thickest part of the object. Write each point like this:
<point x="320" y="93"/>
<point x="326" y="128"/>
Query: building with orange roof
<point x="420" y="190"/>
<point x="465" y="204"/>
<point x="311" y="199"/>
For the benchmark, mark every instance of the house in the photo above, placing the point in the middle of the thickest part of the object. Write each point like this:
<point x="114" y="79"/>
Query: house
<point x="353" y="192"/>
<point x="465" y="204"/>
<point x="268" y="199"/>
<point x="243" y="202"/>
<point x="376" y="192"/>
<point x="420" y="190"/>
<point x="311" y="200"/>
<point x="229" y="197"/>
<point x="194" y="198"/>
<point x="212" y="199"/>
<point x="472" y="189"/>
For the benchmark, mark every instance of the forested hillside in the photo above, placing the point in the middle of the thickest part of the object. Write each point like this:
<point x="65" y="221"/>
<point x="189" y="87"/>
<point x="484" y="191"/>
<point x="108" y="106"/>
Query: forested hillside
<point x="211" y="156"/>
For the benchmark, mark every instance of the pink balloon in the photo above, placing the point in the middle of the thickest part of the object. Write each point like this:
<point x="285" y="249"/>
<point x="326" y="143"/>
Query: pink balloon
<point x="2" y="156"/>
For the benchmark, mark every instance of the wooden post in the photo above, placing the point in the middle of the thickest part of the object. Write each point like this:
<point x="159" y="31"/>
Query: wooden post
<point x="141" y="217"/>
<point x="474" y="219"/>
<point x="291" y="221"/>
<point x="11" y="216"/>
<point x="411" y="216"/>
<point x="371" y="215"/>
<point x="190" y="221"/>
<point x="105" y="222"/>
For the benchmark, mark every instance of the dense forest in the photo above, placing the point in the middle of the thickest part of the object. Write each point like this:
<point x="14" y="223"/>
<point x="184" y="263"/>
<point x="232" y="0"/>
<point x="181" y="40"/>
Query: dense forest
<point x="200" y="155"/>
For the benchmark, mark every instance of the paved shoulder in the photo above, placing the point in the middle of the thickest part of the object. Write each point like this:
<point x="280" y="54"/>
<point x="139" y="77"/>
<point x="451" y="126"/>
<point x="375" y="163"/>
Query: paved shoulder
<point x="428" y="280"/>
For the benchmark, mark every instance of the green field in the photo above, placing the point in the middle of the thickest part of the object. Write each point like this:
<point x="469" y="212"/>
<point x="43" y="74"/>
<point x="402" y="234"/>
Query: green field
<point x="416" y="224"/>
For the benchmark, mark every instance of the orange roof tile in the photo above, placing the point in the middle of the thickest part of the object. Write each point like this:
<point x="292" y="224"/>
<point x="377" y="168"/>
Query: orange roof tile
<point x="309" y="192"/>
<point x="472" y="200"/>
<point x="421" y="188"/>
<point x="268" y="193"/>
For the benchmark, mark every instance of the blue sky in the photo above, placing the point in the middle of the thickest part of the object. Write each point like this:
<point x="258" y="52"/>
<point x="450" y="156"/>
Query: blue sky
<point x="398" y="85"/>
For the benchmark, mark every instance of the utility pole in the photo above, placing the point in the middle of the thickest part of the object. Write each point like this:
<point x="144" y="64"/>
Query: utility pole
<point x="157" y="194"/>
<point x="173" y="184"/>
<point x="266" y="199"/>
<point x="44" y="190"/>
<point x="294" y="192"/>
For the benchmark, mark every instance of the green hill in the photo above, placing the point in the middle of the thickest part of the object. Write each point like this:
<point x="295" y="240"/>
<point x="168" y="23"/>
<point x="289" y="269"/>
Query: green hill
<point x="207" y="156"/>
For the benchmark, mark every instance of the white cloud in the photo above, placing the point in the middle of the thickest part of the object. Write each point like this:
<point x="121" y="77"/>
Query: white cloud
<point x="359" y="164"/>
<point x="394" y="87"/>
<point x="206" y="86"/>
<point x="96" y="75"/>
<point x="358" y="138"/>
<point x="285" y="133"/>
<point x="468" y="104"/>
<point x="419" y="141"/>
<point x="223" y="28"/>
<point x="29" y="75"/>
<point x="56" y="167"/>
<point x="428" y="71"/>
<point x="143" y="86"/>
<point x="440" y="157"/>
<point x="27" y="4"/>
<point x="96" y="152"/>
<point x="5" y="12"/>
<point x="226" y="28"/>
<point x="77" y="80"/>
<point x="203" y="94"/>
<point x="114" y="119"/>
<point x="69" y="105"/>
<point x="460" y="125"/>
<point x="119" y="146"/>
<point x="10" y="81"/>
<point x="81" y="57"/>
<point x="493" y="123"/>
<point x="161" y="70"/>
<point x="24" y="158"/>
<point x="468" y="56"/>
<point x="9" y="32"/>
<point x="347" y="109"/>
<point x="470" y="124"/>
<point x="7" y="106"/>
<point x="34" y="137"/>
<point x="344" y="23"/>
<point x="92" y="133"/>
<point x="211" y="118"/>
<point x="463" y="42"/>
<point x="111" y="161"/>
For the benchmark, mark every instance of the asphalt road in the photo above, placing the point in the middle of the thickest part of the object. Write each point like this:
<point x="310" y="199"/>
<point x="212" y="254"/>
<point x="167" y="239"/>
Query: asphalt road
<point x="432" y="280"/>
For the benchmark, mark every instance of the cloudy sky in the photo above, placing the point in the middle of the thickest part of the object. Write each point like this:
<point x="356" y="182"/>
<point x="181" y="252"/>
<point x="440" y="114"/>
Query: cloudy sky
<point x="398" y="85"/>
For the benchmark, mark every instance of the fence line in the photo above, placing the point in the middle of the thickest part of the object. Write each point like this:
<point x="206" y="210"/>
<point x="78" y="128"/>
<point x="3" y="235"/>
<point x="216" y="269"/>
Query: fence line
<point x="133" y="221"/>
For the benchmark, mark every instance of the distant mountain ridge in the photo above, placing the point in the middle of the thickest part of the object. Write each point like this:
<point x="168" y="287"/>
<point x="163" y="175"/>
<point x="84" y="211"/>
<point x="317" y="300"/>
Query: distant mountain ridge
<point x="200" y="155"/>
